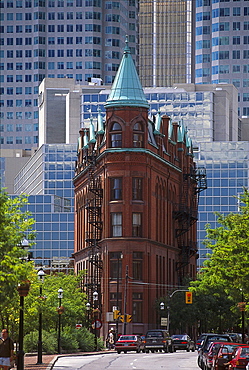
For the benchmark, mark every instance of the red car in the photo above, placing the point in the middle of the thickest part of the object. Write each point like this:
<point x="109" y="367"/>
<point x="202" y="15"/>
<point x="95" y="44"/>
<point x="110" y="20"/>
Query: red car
<point x="129" y="343"/>
<point x="224" y="355"/>
<point x="240" y="359"/>
<point x="210" y="353"/>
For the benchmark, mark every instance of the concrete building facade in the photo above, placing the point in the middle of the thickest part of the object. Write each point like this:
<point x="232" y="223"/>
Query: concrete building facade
<point x="81" y="39"/>
<point x="222" y="52"/>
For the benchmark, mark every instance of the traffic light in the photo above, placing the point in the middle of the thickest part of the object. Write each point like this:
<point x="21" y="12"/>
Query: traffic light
<point x="128" y="318"/>
<point x="188" y="297"/>
<point x="116" y="314"/>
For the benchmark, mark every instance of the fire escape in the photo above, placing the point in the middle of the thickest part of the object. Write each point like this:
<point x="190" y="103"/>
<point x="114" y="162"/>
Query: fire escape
<point x="94" y="227"/>
<point x="186" y="214"/>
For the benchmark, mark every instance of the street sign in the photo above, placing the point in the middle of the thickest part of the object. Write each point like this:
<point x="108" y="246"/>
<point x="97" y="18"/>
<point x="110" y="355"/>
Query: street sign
<point x="164" y="321"/>
<point x="97" y="324"/>
<point x="78" y="326"/>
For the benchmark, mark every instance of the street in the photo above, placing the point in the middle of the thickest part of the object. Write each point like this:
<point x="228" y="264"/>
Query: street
<point x="139" y="361"/>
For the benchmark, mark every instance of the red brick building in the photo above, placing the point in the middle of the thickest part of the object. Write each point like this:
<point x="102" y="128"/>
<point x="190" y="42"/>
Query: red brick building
<point x="135" y="206"/>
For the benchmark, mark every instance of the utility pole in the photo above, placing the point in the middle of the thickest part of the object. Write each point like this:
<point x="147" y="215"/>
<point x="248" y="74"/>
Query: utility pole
<point x="125" y="298"/>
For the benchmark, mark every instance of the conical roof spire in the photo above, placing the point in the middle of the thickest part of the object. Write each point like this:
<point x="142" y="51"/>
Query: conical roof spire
<point x="127" y="89"/>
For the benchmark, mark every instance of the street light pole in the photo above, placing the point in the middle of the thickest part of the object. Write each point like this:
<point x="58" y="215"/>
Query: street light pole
<point x="95" y="306"/>
<point x="88" y="307"/>
<point x="60" y="310"/>
<point x="117" y="304"/>
<point x="23" y="290"/>
<point x="40" y="274"/>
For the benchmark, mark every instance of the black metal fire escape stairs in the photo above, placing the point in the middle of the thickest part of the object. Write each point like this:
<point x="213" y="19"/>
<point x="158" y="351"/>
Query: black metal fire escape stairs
<point x="186" y="214"/>
<point x="93" y="207"/>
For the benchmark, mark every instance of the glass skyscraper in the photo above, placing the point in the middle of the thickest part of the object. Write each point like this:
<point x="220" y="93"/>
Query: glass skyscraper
<point x="47" y="179"/>
<point x="166" y="42"/>
<point x="79" y="39"/>
<point x="222" y="46"/>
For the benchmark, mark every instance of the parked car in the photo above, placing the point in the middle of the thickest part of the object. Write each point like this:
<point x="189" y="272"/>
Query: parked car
<point x="158" y="340"/>
<point x="129" y="343"/>
<point x="236" y="337"/>
<point x="224" y="355"/>
<point x="210" y="354"/>
<point x="206" y="342"/>
<point x="183" y="341"/>
<point x="199" y="341"/>
<point x="240" y="359"/>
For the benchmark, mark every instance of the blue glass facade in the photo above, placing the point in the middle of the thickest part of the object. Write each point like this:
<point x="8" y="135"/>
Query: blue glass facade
<point x="48" y="177"/>
<point x="227" y="165"/>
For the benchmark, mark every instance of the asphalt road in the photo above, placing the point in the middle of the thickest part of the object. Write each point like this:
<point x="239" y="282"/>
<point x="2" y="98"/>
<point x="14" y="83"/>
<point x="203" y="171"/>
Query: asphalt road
<point x="140" y="361"/>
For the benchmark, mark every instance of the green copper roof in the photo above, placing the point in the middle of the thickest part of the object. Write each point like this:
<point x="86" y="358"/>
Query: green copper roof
<point x="126" y="89"/>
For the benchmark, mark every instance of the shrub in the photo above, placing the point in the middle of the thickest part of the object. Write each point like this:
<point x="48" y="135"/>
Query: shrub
<point x="49" y="342"/>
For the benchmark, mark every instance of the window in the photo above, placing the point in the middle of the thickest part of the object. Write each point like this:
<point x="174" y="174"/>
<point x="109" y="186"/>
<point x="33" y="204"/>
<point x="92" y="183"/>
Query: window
<point x="138" y="136"/>
<point x="236" y="26"/>
<point x="236" y="11"/>
<point x="137" y="266"/>
<point x="115" y="265"/>
<point x="116" y="136"/>
<point x="137" y="307"/>
<point x="236" y="40"/>
<point x="70" y="28"/>
<point x="236" y="68"/>
<point x="9" y="140"/>
<point x="246" y="54"/>
<point x="236" y="54"/>
<point x="116" y="224"/>
<point x="69" y="52"/>
<point x="69" y="40"/>
<point x="136" y="224"/>
<point x="116" y="188"/>
<point x="137" y="188"/>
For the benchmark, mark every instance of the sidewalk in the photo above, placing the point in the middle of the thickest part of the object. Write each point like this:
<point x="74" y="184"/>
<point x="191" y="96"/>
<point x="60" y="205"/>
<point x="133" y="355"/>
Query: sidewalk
<point x="30" y="362"/>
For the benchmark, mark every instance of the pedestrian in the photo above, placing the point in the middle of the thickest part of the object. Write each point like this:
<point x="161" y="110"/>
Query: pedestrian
<point x="6" y="350"/>
<point x="110" y="339"/>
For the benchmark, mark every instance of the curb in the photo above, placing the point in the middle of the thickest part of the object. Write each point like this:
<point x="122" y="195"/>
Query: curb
<point x="53" y="362"/>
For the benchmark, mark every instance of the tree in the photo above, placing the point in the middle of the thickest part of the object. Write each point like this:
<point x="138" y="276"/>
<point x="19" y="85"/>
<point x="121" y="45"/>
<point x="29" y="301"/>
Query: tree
<point x="73" y="302"/>
<point x="225" y="275"/>
<point x="228" y="265"/>
<point x="15" y="225"/>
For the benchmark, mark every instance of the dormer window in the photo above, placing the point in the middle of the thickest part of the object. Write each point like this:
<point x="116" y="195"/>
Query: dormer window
<point x="138" y="135"/>
<point x="116" y="136"/>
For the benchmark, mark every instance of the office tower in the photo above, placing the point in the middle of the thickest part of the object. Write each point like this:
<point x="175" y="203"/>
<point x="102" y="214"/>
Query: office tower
<point x="47" y="179"/>
<point x="166" y="42"/>
<point x="79" y="39"/>
<point x="222" y="46"/>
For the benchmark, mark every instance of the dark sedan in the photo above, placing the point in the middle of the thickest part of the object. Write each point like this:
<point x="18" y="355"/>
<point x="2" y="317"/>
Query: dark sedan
<point x="183" y="341"/>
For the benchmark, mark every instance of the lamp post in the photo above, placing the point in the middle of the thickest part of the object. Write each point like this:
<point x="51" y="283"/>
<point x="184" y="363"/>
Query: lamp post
<point x="60" y="311"/>
<point x="95" y="305"/>
<point x="88" y="307"/>
<point x="40" y="274"/>
<point x="161" y="308"/>
<point x="23" y="290"/>
<point x="120" y="256"/>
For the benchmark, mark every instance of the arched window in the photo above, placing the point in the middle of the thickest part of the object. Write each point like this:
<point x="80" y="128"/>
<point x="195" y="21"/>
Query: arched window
<point x="116" y="135"/>
<point x="138" y="135"/>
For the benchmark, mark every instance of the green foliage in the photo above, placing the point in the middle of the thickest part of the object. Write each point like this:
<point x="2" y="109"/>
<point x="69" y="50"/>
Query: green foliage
<point x="224" y="278"/>
<point x="72" y="340"/>
<point x="85" y="339"/>
<point x="15" y="225"/>
<point x="73" y="301"/>
<point x="228" y="266"/>
<point x="49" y="342"/>
<point x="69" y="341"/>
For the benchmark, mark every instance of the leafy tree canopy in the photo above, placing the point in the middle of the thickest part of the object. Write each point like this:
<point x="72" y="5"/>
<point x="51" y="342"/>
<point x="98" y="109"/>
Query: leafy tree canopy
<point x="227" y="268"/>
<point x="15" y="226"/>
